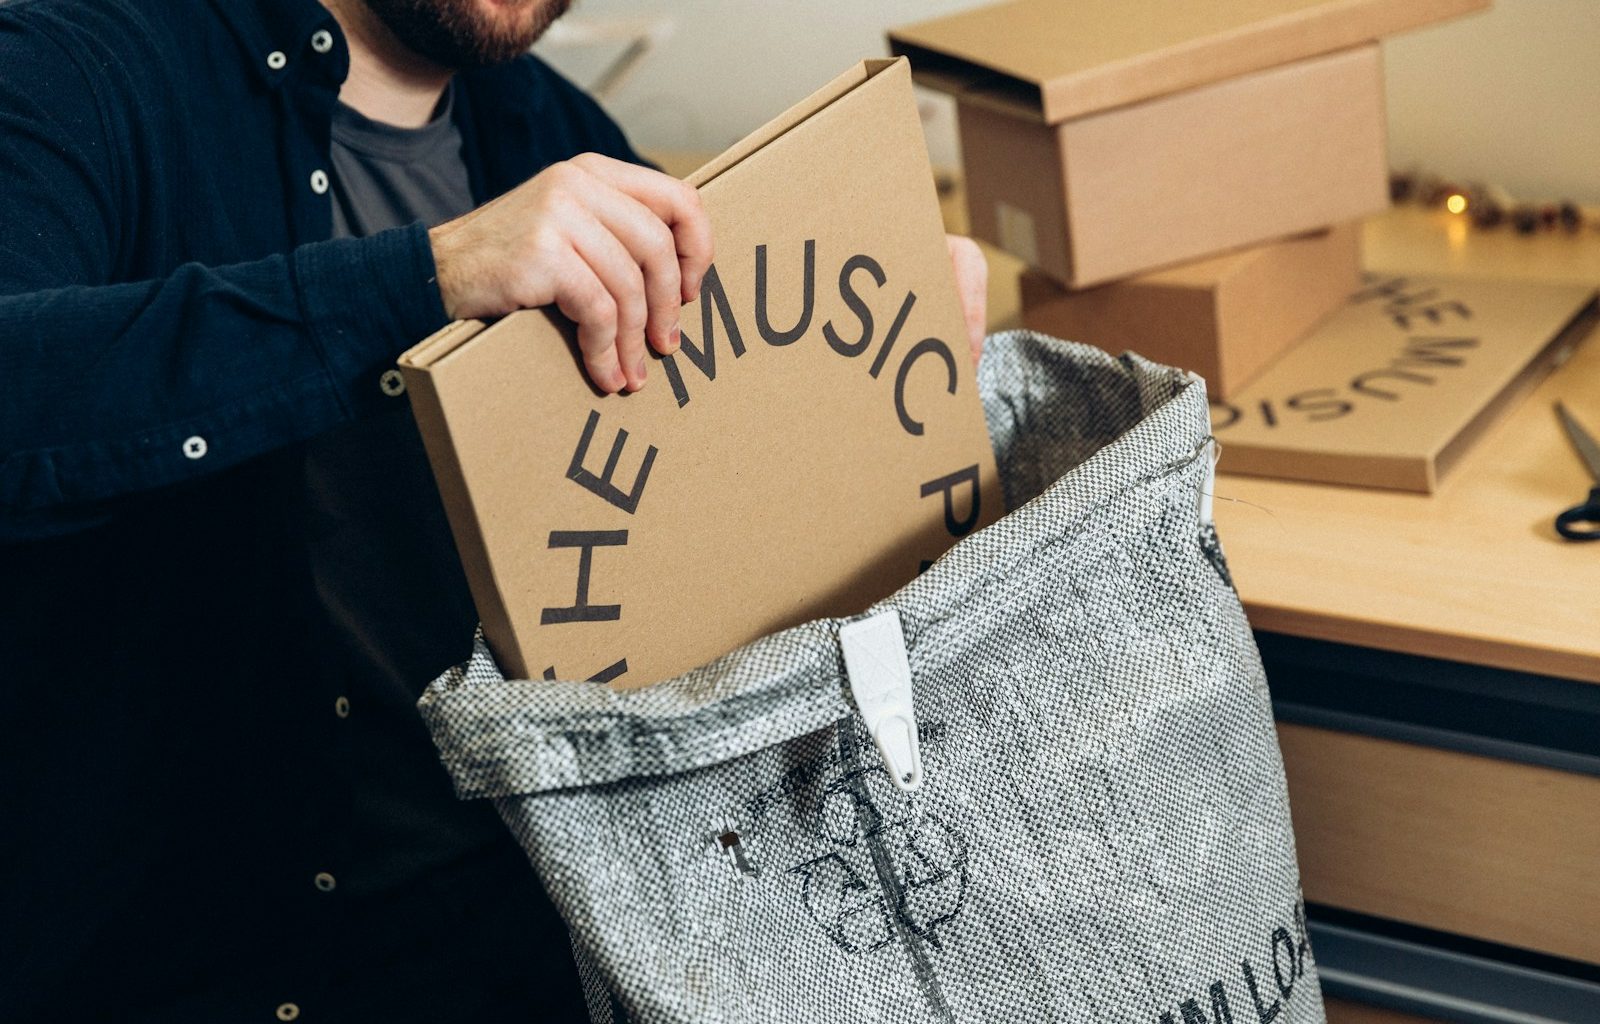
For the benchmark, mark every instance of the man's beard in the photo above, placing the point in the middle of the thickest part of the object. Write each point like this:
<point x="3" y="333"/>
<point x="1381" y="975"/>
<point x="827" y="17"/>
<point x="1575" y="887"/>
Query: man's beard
<point x="460" y="34"/>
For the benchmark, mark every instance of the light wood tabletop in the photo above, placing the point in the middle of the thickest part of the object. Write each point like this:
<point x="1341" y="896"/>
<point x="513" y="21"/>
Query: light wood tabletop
<point x="1476" y="571"/>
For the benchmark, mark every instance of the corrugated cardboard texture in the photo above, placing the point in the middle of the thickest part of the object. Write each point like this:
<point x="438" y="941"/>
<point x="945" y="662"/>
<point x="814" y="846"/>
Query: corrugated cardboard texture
<point x="1225" y="318"/>
<point x="1263" y="156"/>
<point x="1391" y="389"/>
<point x="1061" y="60"/>
<point x="802" y="470"/>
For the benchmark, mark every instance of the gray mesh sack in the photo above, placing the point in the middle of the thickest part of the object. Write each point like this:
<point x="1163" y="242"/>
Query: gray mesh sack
<point x="1101" y="830"/>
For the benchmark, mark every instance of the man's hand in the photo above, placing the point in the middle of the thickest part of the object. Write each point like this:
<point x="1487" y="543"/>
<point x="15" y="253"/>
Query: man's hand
<point x="617" y="247"/>
<point x="972" y="285"/>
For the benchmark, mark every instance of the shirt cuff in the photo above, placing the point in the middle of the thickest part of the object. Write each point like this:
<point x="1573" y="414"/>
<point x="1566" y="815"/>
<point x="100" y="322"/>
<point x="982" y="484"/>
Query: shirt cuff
<point x="367" y="300"/>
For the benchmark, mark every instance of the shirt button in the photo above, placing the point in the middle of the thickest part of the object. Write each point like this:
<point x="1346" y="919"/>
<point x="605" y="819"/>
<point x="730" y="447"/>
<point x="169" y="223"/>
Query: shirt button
<point x="194" y="447"/>
<point x="392" y="383"/>
<point x="341" y="707"/>
<point x="277" y="60"/>
<point x="324" y="882"/>
<point x="322" y="40"/>
<point x="288" y="1011"/>
<point x="319" y="181"/>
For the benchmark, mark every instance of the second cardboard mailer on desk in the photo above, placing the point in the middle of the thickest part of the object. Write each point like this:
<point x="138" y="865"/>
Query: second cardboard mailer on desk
<point x="816" y="441"/>
<point x="1392" y="390"/>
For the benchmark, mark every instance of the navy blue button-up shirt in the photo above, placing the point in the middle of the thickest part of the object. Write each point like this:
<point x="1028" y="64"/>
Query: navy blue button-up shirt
<point x="174" y="323"/>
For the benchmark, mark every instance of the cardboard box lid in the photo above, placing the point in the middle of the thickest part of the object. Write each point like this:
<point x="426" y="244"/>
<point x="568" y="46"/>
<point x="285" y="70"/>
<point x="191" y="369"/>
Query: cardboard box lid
<point x="1392" y="389"/>
<point x="817" y="439"/>
<point x="1056" y="60"/>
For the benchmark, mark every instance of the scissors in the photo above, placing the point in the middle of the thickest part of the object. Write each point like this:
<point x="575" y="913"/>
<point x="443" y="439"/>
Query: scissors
<point x="1582" y="521"/>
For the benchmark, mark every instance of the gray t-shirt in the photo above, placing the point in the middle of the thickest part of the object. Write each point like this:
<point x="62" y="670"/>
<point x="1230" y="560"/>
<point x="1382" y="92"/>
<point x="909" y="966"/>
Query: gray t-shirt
<point x="385" y="177"/>
<point x="388" y="579"/>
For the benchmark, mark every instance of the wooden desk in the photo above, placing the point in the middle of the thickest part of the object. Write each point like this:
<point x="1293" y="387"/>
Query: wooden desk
<point x="1475" y="572"/>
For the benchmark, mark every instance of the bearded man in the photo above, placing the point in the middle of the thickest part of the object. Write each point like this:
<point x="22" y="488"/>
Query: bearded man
<point x="225" y="574"/>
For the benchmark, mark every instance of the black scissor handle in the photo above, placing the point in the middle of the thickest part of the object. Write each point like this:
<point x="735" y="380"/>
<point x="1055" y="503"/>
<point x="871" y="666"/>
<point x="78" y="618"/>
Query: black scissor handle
<point x="1581" y="522"/>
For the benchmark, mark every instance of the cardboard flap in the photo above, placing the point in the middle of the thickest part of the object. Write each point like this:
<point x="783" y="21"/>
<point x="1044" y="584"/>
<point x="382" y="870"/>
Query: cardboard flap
<point x="787" y="120"/>
<point x="1060" y="60"/>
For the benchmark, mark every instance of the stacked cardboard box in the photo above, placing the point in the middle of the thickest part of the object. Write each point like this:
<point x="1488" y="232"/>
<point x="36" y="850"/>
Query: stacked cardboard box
<point x="1183" y="178"/>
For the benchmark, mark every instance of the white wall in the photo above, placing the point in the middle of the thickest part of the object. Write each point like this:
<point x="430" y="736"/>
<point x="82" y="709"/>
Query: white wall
<point x="1511" y="96"/>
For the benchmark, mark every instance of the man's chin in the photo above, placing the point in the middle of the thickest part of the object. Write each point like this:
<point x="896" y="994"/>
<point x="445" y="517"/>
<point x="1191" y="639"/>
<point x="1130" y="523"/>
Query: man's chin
<point x="462" y="34"/>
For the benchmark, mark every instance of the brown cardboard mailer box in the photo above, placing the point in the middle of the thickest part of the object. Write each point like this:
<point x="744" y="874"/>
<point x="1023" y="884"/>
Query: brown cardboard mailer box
<point x="1104" y="138"/>
<point x="817" y="440"/>
<point x="1226" y="317"/>
<point x="1393" y="389"/>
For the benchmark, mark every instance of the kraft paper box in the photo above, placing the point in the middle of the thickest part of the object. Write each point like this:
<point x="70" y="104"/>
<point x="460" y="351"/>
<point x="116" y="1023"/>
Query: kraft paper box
<point x="1394" y="388"/>
<point x="1226" y="317"/>
<point x="817" y="440"/>
<point x="1105" y="138"/>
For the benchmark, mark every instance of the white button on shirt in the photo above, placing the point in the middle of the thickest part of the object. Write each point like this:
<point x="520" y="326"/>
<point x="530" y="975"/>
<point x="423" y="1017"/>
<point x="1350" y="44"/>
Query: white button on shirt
<point x="277" y="60"/>
<point x="322" y="40"/>
<point x="319" y="181"/>
<point x="392" y="383"/>
<point x="194" y="447"/>
<point x="288" y="1011"/>
<point x="324" y="882"/>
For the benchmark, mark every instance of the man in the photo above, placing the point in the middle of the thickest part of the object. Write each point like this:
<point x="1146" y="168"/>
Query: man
<point x="226" y="575"/>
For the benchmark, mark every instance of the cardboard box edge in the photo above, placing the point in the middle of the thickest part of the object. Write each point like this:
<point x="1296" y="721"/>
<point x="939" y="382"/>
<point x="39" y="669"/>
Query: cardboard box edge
<point x="842" y="85"/>
<point x="1256" y="46"/>
<point x="465" y="527"/>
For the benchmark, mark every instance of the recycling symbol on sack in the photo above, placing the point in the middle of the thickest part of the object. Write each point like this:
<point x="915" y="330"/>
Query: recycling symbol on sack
<point x="890" y="860"/>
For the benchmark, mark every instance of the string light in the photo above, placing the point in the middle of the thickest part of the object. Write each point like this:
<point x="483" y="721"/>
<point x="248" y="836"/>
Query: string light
<point x="1457" y="203"/>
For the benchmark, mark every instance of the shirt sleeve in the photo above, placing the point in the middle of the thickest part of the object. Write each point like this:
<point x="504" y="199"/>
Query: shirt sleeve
<point x="111" y="389"/>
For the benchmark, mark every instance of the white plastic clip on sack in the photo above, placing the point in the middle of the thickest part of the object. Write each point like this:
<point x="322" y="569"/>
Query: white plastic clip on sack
<point x="880" y="682"/>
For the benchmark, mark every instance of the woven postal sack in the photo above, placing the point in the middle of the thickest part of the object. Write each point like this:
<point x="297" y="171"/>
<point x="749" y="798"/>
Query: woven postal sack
<point x="1101" y="832"/>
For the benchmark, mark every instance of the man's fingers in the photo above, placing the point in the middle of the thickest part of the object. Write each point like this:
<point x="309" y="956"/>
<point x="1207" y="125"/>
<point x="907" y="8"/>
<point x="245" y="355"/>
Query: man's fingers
<point x="617" y="270"/>
<point x="650" y="243"/>
<point x="972" y="286"/>
<point x="587" y="303"/>
<point x="676" y="203"/>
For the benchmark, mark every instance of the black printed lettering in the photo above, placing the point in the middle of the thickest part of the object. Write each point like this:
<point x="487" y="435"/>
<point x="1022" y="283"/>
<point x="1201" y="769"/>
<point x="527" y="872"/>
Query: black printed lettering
<point x="713" y="302"/>
<point x="763" y="323"/>
<point x="1303" y="950"/>
<point x="857" y="305"/>
<point x="1388" y="290"/>
<point x="1319" y="409"/>
<point x="1435" y="351"/>
<point x="1282" y="940"/>
<point x="605" y="675"/>
<point x="894" y="332"/>
<point x="1221" y="1012"/>
<point x="581" y="610"/>
<point x="1264" y="1013"/>
<point x="1267" y="415"/>
<point x="1362" y="384"/>
<point x="957" y="527"/>
<point x="1224" y="415"/>
<point x="920" y="349"/>
<point x="1433" y="313"/>
<point x="601" y="485"/>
